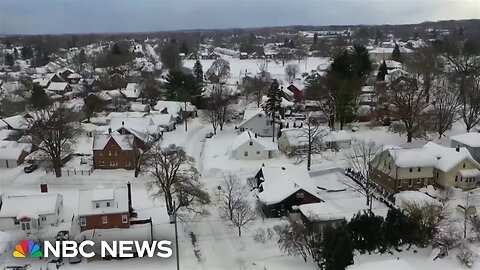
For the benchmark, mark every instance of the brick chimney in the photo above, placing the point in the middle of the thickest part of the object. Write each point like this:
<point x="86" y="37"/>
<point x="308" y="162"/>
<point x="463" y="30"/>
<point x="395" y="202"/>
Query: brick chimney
<point x="457" y="148"/>
<point x="43" y="188"/>
<point x="109" y="131"/>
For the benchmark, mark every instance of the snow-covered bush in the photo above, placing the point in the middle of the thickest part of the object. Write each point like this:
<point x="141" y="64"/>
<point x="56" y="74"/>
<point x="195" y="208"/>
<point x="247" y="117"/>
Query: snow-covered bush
<point x="466" y="257"/>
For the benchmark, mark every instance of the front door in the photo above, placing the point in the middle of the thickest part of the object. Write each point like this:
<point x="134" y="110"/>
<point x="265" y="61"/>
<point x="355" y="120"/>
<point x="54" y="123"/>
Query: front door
<point x="26" y="226"/>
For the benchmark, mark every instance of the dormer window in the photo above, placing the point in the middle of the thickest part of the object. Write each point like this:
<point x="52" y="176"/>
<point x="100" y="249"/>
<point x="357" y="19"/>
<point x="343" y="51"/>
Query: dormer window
<point x="250" y="143"/>
<point x="97" y="205"/>
<point x="108" y="204"/>
<point x="464" y="165"/>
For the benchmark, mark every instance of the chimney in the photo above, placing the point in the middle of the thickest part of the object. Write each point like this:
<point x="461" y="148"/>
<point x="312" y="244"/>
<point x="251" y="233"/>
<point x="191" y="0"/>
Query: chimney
<point x="43" y="188"/>
<point x="256" y="135"/>
<point x="457" y="148"/>
<point x="123" y="123"/>
<point x="109" y="130"/>
<point x="129" y="190"/>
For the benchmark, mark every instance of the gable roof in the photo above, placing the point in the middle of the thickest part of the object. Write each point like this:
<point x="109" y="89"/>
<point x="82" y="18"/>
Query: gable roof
<point x="17" y="122"/>
<point x="88" y="196"/>
<point x="57" y="86"/>
<point x="250" y="136"/>
<point x="125" y="142"/>
<point x="132" y="90"/>
<point x="281" y="182"/>
<point x="29" y="206"/>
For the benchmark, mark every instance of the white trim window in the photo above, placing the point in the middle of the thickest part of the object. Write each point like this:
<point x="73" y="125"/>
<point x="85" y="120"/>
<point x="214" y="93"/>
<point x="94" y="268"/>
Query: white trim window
<point x="83" y="222"/>
<point x="124" y="218"/>
<point x="104" y="219"/>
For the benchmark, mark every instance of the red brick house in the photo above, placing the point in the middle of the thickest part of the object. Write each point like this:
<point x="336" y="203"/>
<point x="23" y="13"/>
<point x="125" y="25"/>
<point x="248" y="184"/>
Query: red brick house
<point x="297" y="93"/>
<point x="113" y="151"/>
<point x="105" y="208"/>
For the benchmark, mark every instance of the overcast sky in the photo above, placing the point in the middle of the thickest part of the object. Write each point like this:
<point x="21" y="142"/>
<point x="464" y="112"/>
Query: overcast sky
<point x="98" y="16"/>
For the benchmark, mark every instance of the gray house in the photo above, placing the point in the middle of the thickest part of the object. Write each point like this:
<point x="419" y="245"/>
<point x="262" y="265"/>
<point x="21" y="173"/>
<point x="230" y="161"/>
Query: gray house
<point x="471" y="141"/>
<point x="257" y="122"/>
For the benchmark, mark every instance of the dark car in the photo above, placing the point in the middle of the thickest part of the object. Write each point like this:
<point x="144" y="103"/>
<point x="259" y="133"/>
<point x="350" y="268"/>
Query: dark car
<point x="209" y="135"/>
<point x="30" y="168"/>
<point x="62" y="235"/>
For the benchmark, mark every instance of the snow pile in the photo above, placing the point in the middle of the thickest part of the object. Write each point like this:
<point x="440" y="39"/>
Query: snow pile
<point x="322" y="211"/>
<point x="405" y="198"/>
<point x="389" y="264"/>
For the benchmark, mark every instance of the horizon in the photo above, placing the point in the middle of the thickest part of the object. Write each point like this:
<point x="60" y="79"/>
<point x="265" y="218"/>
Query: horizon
<point x="28" y="17"/>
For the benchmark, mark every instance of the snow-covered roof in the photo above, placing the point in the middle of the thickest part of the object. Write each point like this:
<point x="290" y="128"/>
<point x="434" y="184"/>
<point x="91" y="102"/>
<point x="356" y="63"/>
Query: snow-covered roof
<point x="392" y="64"/>
<point x="431" y="155"/>
<point x="132" y="90"/>
<point x="124" y="141"/>
<point x="125" y="115"/>
<point x="104" y="194"/>
<point x="470" y="173"/>
<point x="471" y="139"/>
<point x="140" y="126"/>
<point x="338" y="136"/>
<point x="322" y="211"/>
<point x="139" y="107"/>
<point x="248" y="136"/>
<point x="10" y="150"/>
<point x="57" y="86"/>
<point x="86" y="206"/>
<point x="174" y="107"/>
<point x="5" y="133"/>
<point x="17" y="122"/>
<point x="295" y="136"/>
<point x="249" y="114"/>
<point x="161" y="119"/>
<point x="29" y="206"/>
<point x="414" y="198"/>
<point x="281" y="182"/>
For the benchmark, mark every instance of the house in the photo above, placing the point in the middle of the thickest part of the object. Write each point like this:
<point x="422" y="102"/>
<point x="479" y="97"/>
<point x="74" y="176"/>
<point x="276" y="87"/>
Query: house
<point x="297" y="93"/>
<point x="105" y="208"/>
<point x="143" y="128"/>
<point x="30" y="212"/>
<point x="292" y="140"/>
<point x="396" y="169"/>
<point x="336" y="140"/>
<point x="282" y="188"/>
<point x="59" y="88"/>
<point x="257" y="122"/>
<point x="322" y="214"/>
<point x="132" y="91"/>
<point x="139" y="107"/>
<point x="17" y="122"/>
<point x="176" y="108"/>
<point x="248" y="146"/>
<point x="113" y="151"/>
<point x="166" y="121"/>
<point x="12" y="154"/>
<point x="471" y="141"/>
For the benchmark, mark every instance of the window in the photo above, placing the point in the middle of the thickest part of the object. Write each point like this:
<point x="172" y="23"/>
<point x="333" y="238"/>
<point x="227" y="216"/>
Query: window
<point x="399" y="183"/>
<point x="419" y="169"/>
<point x="410" y="170"/>
<point x="300" y="195"/>
<point x="464" y="165"/>
<point x="15" y="221"/>
<point x="438" y="174"/>
<point x="410" y="182"/>
<point x="109" y="153"/>
<point x="104" y="219"/>
<point x="113" y="163"/>
<point x="245" y="154"/>
<point x="97" y="205"/>
<point x="100" y="153"/>
<point x="419" y="181"/>
<point x="83" y="222"/>
<point x="456" y="178"/>
<point x="115" y="153"/>
<point x="108" y="204"/>
<point x="128" y="164"/>
<point x="124" y="219"/>
<point x="44" y="218"/>
<point x="250" y="143"/>
<point x="258" y="152"/>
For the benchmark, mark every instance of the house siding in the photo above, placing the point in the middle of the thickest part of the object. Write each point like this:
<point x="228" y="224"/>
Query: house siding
<point x="113" y="221"/>
<point x="113" y="157"/>
<point x="285" y="206"/>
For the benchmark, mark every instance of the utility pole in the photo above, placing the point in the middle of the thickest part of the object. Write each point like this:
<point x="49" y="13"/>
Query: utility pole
<point x="174" y="217"/>
<point x="467" y="206"/>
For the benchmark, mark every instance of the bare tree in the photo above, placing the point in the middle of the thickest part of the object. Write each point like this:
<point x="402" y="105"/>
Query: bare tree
<point x="220" y="68"/>
<point x="408" y="105"/>
<point x="470" y="99"/>
<point x="445" y="105"/>
<point x="218" y="106"/>
<point x="54" y="133"/>
<point x="291" y="72"/>
<point x="255" y="88"/>
<point x="174" y="175"/>
<point x="213" y="115"/>
<point x="295" y="239"/>
<point x="141" y="153"/>
<point x="235" y="205"/>
<point x="361" y="158"/>
<point x="312" y="134"/>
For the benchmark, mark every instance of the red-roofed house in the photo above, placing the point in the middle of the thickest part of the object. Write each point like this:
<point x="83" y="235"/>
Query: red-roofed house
<point x="297" y="93"/>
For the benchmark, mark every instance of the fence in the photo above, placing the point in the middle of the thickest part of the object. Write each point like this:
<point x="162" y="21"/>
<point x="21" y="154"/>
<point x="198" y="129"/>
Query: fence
<point x="70" y="172"/>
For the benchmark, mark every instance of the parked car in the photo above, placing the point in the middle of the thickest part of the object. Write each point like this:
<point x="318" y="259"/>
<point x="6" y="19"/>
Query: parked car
<point x="209" y="135"/>
<point x="62" y="235"/>
<point x="30" y="168"/>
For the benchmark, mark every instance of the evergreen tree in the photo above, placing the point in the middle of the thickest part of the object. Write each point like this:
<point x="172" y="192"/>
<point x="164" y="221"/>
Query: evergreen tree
<point x="9" y="60"/>
<point x="184" y="47"/>
<point x="92" y="104"/>
<point x="366" y="229"/>
<point x="397" y="228"/>
<point x="82" y="57"/>
<point x="337" y="248"/>
<point x="273" y="104"/>
<point x="396" y="55"/>
<point x="26" y="52"/>
<point x="315" y="38"/>
<point x="39" y="98"/>
<point x="15" y="53"/>
<point x="382" y="71"/>
<point x="170" y="58"/>
<point x="198" y="71"/>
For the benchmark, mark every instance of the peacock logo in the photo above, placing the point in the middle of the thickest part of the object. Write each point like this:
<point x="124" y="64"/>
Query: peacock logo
<point x="27" y="249"/>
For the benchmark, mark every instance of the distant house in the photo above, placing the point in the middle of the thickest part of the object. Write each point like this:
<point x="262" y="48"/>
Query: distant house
<point x="139" y="107"/>
<point x="257" y="122"/>
<point x="282" y="188"/>
<point x="17" y="122"/>
<point x="165" y="121"/>
<point x="59" y="88"/>
<point x="104" y="208"/>
<point x="132" y="91"/>
<point x="12" y="154"/>
<point x="113" y="151"/>
<point x="337" y="140"/>
<point x="297" y="93"/>
<point x="243" y="55"/>
<point x="471" y="141"/>
<point x="30" y="212"/>
<point x="292" y="140"/>
<point x="396" y="169"/>
<point x="176" y="108"/>
<point x="248" y="146"/>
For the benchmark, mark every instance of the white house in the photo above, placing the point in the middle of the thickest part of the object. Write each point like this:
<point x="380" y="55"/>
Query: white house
<point x="165" y="121"/>
<point x="132" y="91"/>
<point x="248" y="146"/>
<point x="471" y="141"/>
<point x="257" y="122"/>
<point x="12" y="153"/>
<point x="30" y="212"/>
